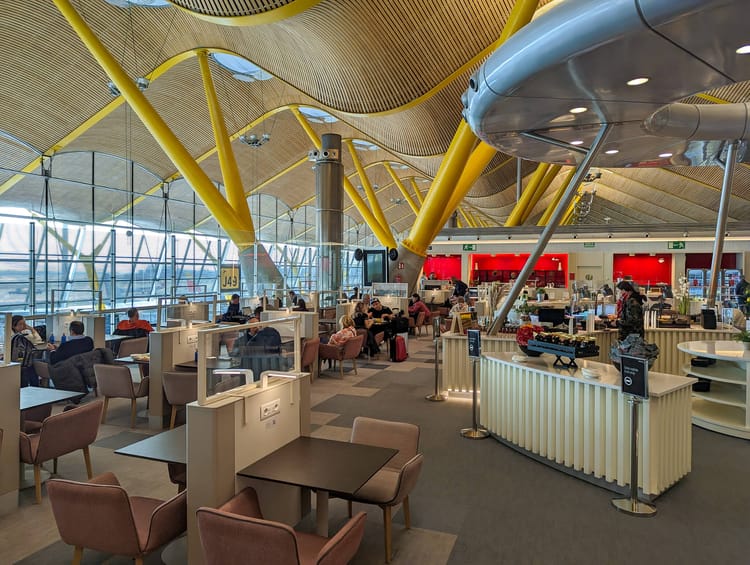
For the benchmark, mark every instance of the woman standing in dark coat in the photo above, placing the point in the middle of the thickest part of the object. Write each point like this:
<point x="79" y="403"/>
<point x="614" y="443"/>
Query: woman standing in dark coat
<point x="629" y="311"/>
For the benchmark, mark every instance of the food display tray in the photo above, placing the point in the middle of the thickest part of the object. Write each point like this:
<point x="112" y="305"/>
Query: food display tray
<point x="571" y="353"/>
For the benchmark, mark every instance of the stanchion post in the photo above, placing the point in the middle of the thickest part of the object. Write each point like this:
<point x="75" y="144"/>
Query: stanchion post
<point x="436" y="396"/>
<point x="632" y="505"/>
<point x="474" y="432"/>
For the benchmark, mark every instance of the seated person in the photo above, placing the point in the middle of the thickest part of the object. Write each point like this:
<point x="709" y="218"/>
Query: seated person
<point x="24" y="351"/>
<point x="300" y="305"/>
<point x="355" y="295"/>
<point x="459" y="306"/>
<point x="377" y="310"/>
<point x="347" y="331"/>
<point x="75" y="344"/>
<point x="133" y="326"/>
<point x="234" y="311"/>
<point x="268" y="339"/>
<point x="292" y="299"/>
<point x="416" y="306"/>
<point x="362" y="321"/>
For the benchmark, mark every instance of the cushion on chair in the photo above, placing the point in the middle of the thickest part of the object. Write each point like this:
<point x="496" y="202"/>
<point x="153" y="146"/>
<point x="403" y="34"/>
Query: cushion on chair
<point x="143" y="507"/>
<point x="381" y="487"/>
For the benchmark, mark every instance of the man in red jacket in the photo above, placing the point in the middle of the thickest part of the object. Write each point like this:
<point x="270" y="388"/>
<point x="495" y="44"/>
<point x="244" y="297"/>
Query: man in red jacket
<point x="134" y="325"/>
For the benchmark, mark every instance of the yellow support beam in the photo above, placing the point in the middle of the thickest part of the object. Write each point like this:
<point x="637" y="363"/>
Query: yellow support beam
<point x="177" y="153"/>
<point x="385" y="237"/>
<point x="420" y="236"/>
<point x="417" y="192"/>
<point x="401" y="187"/>
<point x="227" y="162"/>
<point x="371" y="197"/>
<point x="477" y="162"/>
<point x="568" y="217"/>
<point x="540" y="190"/>
<point x="556" y="200"/>
<point x="514" y="219"/>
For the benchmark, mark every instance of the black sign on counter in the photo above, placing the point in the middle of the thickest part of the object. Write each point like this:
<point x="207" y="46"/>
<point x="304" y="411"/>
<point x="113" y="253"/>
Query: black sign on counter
<point x="475" y="344"/>
<point x="634" y="372"/>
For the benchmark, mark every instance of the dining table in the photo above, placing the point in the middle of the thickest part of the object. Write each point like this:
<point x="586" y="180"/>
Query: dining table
<point x="323" y="465"/>
<point x="167" y="447"/>
<point x="35" y="396"/>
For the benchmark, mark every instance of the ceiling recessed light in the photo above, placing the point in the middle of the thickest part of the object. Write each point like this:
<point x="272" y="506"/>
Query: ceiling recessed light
<point x="665" y="155"/>
<point x="578" y="110"/>
<point x="744" y="50"/>
<point x="612" y="151"/>
<point x="637" y="81"/>
<point x="577" y="142"/>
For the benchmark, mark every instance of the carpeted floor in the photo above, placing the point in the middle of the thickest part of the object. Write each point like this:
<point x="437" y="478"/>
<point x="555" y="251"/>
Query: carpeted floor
<point x="478" y="502"/>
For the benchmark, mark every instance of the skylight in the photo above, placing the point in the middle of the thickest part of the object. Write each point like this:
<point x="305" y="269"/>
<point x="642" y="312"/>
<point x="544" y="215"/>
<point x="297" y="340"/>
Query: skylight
<point x="241" y="68"/>
<point x="317" y="116"/>
<point x="148" y="3"/>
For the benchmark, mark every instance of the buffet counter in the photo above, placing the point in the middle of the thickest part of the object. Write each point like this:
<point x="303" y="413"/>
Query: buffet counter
<point x="582" y="426"/>
<point x="457" y="365"/>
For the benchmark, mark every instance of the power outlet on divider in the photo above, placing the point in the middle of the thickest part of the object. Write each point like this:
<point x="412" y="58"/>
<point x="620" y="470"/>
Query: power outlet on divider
<point x="270" y="409"/>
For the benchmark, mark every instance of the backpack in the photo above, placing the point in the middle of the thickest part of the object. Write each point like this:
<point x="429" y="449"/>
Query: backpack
<point x="398" y="349"/>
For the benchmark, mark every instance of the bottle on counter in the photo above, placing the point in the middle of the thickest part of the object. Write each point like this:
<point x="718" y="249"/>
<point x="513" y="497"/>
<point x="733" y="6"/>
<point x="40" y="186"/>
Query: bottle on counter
<point x="51" y="339"/>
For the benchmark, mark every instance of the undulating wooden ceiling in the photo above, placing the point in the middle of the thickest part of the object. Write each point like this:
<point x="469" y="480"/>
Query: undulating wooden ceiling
<point x="390" y="71"/>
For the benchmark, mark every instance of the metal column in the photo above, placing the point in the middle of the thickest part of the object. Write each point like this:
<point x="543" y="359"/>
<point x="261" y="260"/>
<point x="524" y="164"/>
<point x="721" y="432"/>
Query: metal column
<point x="721" y="223"/>
<point x="329" y="190"/>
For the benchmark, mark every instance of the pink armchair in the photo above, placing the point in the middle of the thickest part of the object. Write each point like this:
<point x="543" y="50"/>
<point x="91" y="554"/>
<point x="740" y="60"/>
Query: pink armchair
<point x="59" y="435"/>
<point x="237" y="534"/>
<point x="350" y="350"/>
<point x="310" y="355"/>
<point x="115" y="381"/>
<point x="180" y="388"/>
<point x="100" y="515"/>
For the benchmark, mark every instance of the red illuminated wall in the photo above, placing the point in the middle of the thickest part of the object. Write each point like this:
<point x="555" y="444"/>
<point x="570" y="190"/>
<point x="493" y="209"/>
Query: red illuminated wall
<point x="549" y="269"/>
<point x="443" y="266"/>
<point x="642" y="267"/>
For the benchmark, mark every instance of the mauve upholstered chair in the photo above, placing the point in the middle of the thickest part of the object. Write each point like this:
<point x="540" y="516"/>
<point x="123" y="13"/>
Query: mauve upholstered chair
<point x="115" y="381"/>
<point x="100" y="515"/>
<point x="136" y="345"/>
<point x="310" y="355"/>
<point x="349" y="350"/>
<point x="391" y="485"/>
<point x="237" y="534"/>
<point x="179" y="389"/>
<point x="59" y="435"/>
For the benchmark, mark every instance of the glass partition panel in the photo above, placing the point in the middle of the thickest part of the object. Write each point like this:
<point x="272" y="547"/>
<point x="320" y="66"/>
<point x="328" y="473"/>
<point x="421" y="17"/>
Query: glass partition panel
<point x="232" y="358"/>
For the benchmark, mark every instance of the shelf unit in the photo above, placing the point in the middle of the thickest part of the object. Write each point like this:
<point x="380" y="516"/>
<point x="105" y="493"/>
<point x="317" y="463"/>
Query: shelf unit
<point x="725" y="408"/>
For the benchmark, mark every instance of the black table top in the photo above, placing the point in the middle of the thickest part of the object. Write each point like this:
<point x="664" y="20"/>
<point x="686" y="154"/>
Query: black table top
<point x="168" y="447"/>
<point x="211" y="363"/>
<point x="333" y="466"/>
<point x="34" y="396"/>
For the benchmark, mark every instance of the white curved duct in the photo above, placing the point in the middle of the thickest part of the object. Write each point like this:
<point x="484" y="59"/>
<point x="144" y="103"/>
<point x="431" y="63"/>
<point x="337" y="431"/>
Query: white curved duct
<point x="700" y="121"/>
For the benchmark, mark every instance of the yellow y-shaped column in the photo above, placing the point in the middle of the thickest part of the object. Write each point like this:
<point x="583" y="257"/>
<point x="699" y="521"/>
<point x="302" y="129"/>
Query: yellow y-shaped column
<point x="555" y="201"/>
<point x="180" y="156"/>
<point x="371" y="196"/>
<point x="516" y="216"/>
<point x="402" y="188"/>
<point x="540" y="190"/>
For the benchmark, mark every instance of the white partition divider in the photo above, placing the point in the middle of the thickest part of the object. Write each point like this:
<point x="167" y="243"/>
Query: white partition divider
<point x="167" y="347"/>
<point x="94" y="327"/>
<point x="308" y="322"/>
<point x="581" y="426"/>
<point x="10" y="418"/>
<point x="229" y="434"/>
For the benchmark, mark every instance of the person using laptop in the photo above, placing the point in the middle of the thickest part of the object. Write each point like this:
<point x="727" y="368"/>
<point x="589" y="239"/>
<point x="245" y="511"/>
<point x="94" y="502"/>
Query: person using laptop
<point x="75" y="344"/>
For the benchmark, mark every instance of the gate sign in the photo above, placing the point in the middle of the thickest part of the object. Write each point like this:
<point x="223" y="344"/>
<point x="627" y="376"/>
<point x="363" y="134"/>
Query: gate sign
<point x="230" y="277"/>
<point x="634" y="372"/>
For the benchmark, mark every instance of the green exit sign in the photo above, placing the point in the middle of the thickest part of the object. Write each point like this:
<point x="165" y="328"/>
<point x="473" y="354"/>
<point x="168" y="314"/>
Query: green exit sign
<point x="470" y="246"/>
<point x="675" y="245"/>
<point x="589" y="244"/>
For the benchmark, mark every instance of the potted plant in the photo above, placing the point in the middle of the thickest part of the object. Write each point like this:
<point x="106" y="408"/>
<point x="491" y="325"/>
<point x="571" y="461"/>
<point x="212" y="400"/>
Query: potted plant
<point x="743" y="336"/>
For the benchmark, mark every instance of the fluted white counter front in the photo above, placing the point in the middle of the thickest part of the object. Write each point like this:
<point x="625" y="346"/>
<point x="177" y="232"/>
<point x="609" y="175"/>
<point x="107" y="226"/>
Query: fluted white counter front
<point x="582" y="426"/>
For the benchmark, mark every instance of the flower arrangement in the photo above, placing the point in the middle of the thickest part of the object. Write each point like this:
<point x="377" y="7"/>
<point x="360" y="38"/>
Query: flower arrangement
<point x="524" y="308"/>
<point x="742" y="336"/>
<point x="526" y="333"/>
<point x="683" y="301"/>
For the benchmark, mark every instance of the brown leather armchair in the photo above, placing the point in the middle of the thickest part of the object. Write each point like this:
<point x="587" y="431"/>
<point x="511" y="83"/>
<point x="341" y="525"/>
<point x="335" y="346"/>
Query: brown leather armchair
<point x="180" y="388"/>
<point x="59" y="435"/>
<point x="391" y="485"/>
<point x="349" y="350"/>
<point x="100" y="515"/>
<point x="136" y="345"/>
<point x="115" y="381"/>
<point x="237" y="534"/>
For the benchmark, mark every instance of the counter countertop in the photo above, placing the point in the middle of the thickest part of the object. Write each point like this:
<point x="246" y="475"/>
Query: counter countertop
<point x="724" y="350"/>
<point x="512" y="336"/>
<point x="659" y="384"/>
